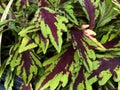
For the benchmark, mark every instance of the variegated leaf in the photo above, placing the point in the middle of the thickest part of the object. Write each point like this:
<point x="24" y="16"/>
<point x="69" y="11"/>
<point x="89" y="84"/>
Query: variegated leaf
<point x="106" y="13"/>
<point x="107" y="68"/>
<point x="42" y="3"/>
<point x="111" y="41"/>
<point x="52" y="25"/>
<point x="89" y="8"/>
<point x="36" y="35"/>
<point x="80" y="81"/>
<point x="26" y="44"/>
<point x="84" y="46"/>
<point x="58" y="69"/>
<point x="109" y="62"/>
<point x="41" y="41"/>
<point x="26" y="63"/>
<point x="21" y="4"/>
<point x="26" y="87"/>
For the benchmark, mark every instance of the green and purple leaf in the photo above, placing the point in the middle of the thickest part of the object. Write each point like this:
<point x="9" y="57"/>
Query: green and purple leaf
<point x="21" y="4"/>
<point x="84" y="46"/>
<point x="56" y="71"/>
<point x="52" y="26"/>
<point x="80" y="82"/>
<point x="26" y="87"/>
<point x="41" y="41"/>
<point x="89" y="8"/>
<point x="26" y="63"/>
<point x="91" y="12"/>
<point x="111" y="41"/>
<point x="107" y="68"/>
<point x="109" y="62"/>
<point x="26" y="44"/>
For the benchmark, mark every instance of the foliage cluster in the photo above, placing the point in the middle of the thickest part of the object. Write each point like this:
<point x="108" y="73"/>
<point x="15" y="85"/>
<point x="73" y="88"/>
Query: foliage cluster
<point x="60" y="44"/>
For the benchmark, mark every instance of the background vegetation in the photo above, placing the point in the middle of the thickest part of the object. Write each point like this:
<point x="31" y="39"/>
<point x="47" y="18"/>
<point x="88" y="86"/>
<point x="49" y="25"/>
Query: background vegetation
<point x="60" y="44"/>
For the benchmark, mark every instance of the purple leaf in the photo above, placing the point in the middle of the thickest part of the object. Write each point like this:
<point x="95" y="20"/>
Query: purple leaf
<point x="80" y="43"/>
<point x="43" y="3"/>
<point x="112" y="43"/>
<point x="52" y="25"/>
<point x="106" y="64"/>
<point x="26" y="87"/>
<point x="61" y="69"/>
<point x="23" y="2"/>
<point x="26" y="63"/>
<point x="49" y="19"/>
<point x="44" y="43"/>
<point x="91" y="12"/>
<point x="79" y="79"/>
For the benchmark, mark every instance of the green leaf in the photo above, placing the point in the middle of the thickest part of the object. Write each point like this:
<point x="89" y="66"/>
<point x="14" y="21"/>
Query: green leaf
<point x="107" y="13"/>
<point x="26" y="44"/>
<point x="9" y="80"/>
<point x="67" y="9"/>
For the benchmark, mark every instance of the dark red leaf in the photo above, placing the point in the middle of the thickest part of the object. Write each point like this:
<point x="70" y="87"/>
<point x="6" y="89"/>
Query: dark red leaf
<point x="78" y="39"/>
<point x="61" y="69"/>
<point x="26" y="87"/>
<point x="79" y="79"/>
<point x="23" y="2"/>
<point x="62" y="66"/>
<point x="27" y="61"/>
<point x="91" y="12"/>
<point x="110" y="63"/>
<point x="49" y="19"/>
<point x="112" y="43"/>
<point x="43" y="3"/>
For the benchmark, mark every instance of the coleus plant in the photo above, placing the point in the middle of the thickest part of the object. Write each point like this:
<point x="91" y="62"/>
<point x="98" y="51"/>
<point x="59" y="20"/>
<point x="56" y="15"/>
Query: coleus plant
<point x="60" y="44"/>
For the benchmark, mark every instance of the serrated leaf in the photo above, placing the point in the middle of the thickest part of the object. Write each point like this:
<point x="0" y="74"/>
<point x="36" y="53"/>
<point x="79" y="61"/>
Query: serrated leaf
<point x="52" y="25"/>
<point x="80" y="82"/>
<point x="111" y="41"/>
<point x="106" y="69"/>
<point x="57" y="71"/>
<point x="41" y="41"/>
<point x="26" y="44"/>
<point x="89" y="9"/>
<point x="26" y="63"/>
<point x="80" y="42"/>
<point x="67" y="9"/>
<point x="107" y="13"/>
